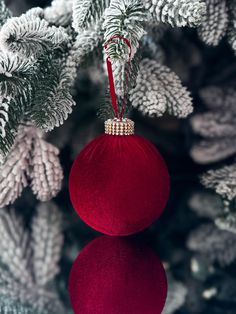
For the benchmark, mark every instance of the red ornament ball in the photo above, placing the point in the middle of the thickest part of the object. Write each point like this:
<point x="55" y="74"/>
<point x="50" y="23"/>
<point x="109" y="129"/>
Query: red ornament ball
<point x="117" y="276"/>
<point x="119" y="185"/>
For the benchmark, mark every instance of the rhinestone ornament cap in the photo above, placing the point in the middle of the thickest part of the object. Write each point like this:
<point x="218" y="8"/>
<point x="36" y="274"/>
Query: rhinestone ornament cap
<point x="119" y="127"/>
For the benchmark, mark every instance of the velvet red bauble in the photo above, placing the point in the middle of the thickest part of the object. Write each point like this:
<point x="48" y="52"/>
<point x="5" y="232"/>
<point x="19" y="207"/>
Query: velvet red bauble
<point x="119" y="185"/>
<point x="117" y="276"/>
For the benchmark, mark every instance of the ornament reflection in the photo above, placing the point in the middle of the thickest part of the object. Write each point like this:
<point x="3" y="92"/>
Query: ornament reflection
<point x="114" y="275"/>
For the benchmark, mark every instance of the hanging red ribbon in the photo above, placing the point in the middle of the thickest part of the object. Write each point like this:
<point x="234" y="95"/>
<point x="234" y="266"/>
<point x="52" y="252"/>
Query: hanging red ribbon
<point x="111" y="78"/>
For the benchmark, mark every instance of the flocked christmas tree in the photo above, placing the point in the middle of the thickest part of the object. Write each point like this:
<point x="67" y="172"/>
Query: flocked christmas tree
<point x="53" y="82"/>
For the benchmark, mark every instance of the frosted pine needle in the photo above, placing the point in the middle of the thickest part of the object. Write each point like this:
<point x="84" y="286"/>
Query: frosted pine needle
<point x="216" y="245"/>
<point x="46" y="173"/>
<point x="176" y="295"/>
<point x="214" y="26"/>
<point x="159" y="90"/>
<point x="216" y="126"/>
<point x="29" y="261"/>
<point x="31" y="160"/>
<point x="177" y="13"/>
<point x="222" y="180"/>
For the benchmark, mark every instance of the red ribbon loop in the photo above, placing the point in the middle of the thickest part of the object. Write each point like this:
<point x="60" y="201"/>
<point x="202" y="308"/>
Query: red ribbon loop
<point x="111" y="78"/>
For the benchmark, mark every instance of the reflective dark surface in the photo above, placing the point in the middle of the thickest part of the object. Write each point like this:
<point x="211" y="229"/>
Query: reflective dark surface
<point x="117" y="275"/>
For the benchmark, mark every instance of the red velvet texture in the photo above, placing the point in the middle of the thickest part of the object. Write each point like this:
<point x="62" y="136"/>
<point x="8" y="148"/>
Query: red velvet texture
<point x="117" y="276"/>
<point x="119" y="185"/>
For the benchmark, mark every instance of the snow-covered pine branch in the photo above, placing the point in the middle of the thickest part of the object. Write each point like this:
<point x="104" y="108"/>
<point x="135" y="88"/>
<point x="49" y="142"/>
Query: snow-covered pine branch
<point x="206" y="204"/>
<point x="216" y="127"/>
<point x="176" y="295"/>
<point x="216" y="98"/>
<point x="125" y="74"/>
<point x="59" y="12"/>
<point x="16" y="73"/>
<point x="5" y="14"/>
<point x="216" y="245"/>
<point x="4" y="116"/>
<point x="52" y="101"/>
<point x="177" y="12"/>
<point x="46" y="173"/>
<point x="222" y="180"/>
<point x="31" y="35"/>
<point x="86" y="13"/>
<point x="23" y="280"/>
<point x="227" y="222"/>
<point x="220" y="20"/>
<point x="14" y="247"/>
<point x="86" y="41"/>
<point x="31" y="160"/>
<point x="232" y="23"/>
<point x="215" y="124"/>
<point x="210" y="205"/>
<point x="14" y="171"/>
<point x="124" y="18"/>
<point x="158" y="90"/>
<point x="35" y="73"/>
<point x="47" y="224"/>
<point x="213" y="28"/>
